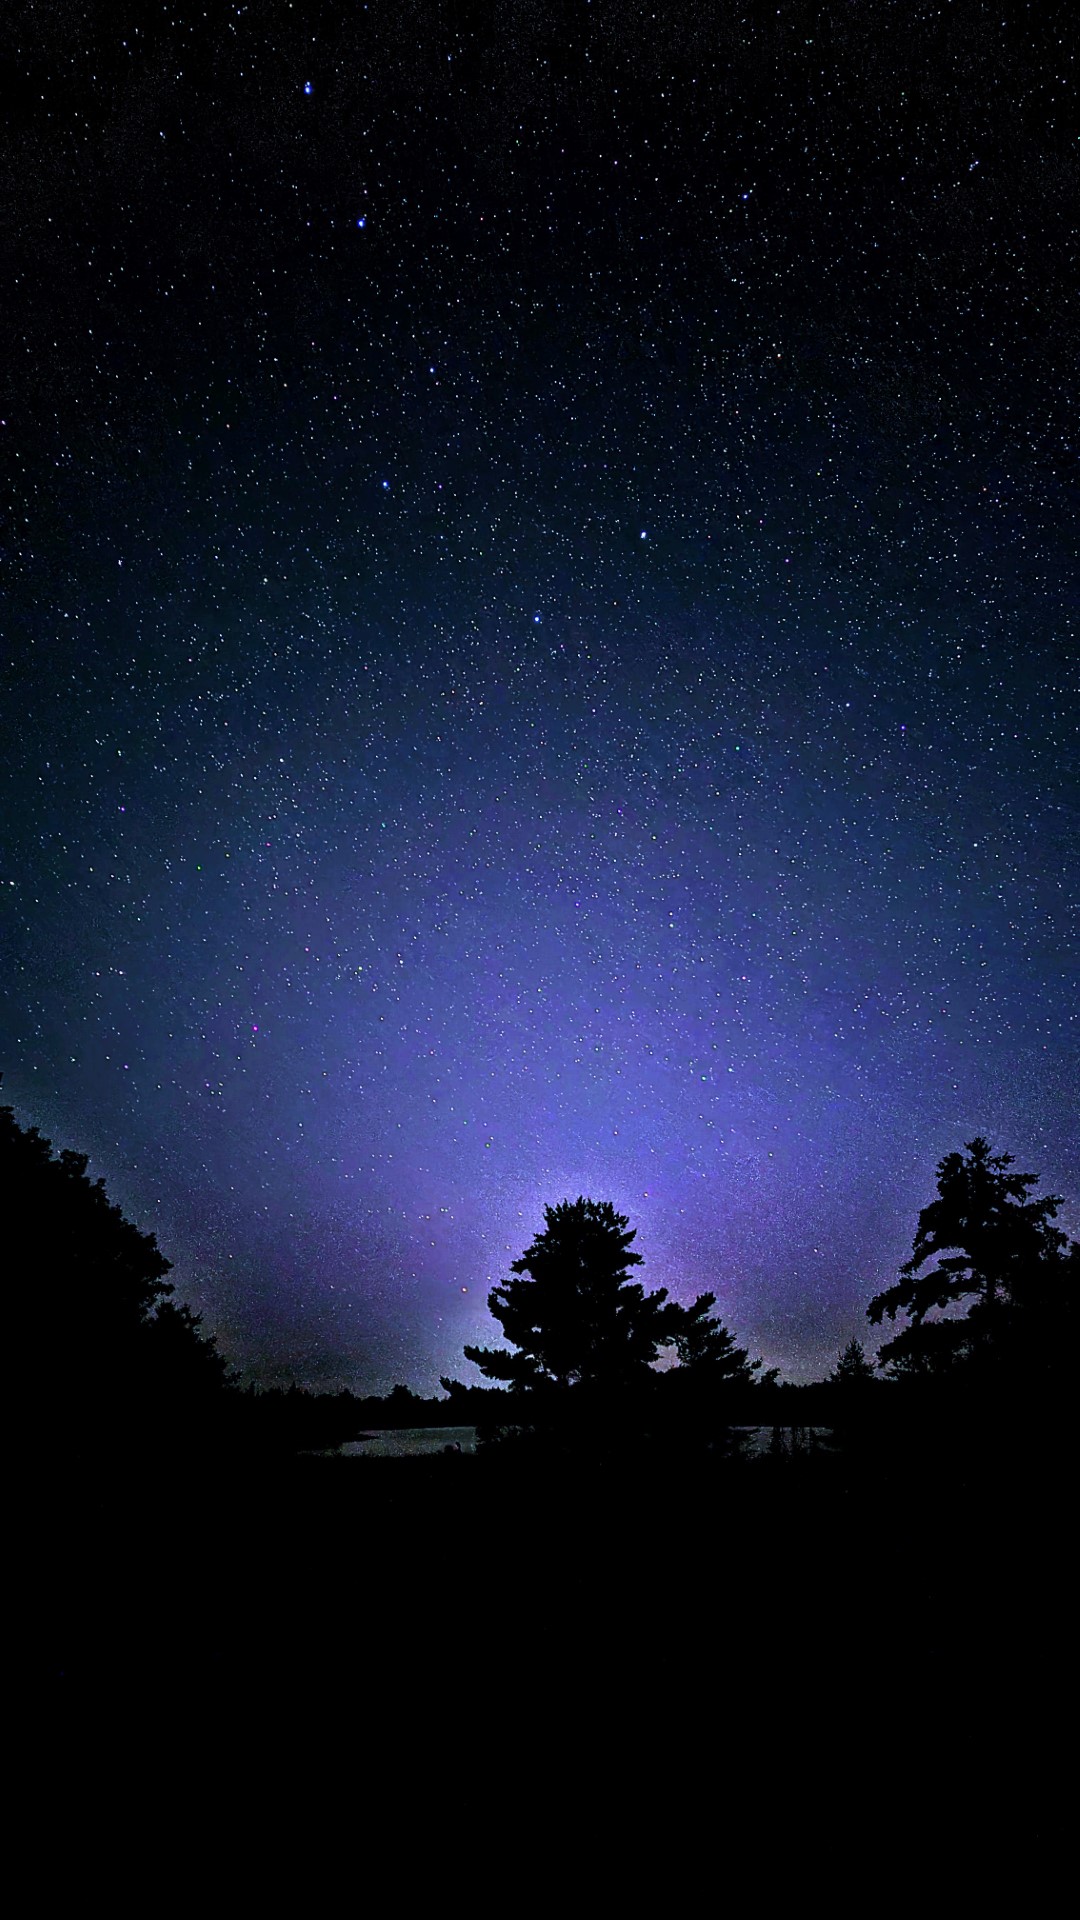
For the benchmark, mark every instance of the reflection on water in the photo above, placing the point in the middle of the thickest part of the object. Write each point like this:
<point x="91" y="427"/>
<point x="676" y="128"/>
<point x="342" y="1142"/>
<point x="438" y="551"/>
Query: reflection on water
<point x="759" y="1440"/>
<point x="403" y="1443"/>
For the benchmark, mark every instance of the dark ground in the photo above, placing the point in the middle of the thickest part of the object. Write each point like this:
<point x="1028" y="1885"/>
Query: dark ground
<point x="415" y="1576"/>
<point x="406" y="1666"/>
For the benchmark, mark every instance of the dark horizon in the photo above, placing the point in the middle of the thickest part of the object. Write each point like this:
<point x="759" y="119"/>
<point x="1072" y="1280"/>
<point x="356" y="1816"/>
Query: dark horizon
<point x="1013" y="1243"/>
<point x="542" y="653"/>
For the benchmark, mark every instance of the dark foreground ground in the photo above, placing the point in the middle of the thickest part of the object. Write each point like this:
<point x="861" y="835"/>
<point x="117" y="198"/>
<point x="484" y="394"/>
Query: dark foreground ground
<point x="481" y="1673"/>
<point x="453" y="1579"/>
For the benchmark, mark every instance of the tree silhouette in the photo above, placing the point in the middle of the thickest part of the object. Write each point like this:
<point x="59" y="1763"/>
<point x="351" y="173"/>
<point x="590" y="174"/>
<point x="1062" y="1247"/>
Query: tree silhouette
<point x="992" y="1245"/>
<point x="111" y="1349"/>
<point x="706" y="1348"/>
<point x="856" y="1393"/>
<point x="577" y="1319"/>
<point x="853" y="1369"/>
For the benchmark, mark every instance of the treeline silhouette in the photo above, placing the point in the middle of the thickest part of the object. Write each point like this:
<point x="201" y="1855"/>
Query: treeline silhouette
<point x="979" y="1357"/>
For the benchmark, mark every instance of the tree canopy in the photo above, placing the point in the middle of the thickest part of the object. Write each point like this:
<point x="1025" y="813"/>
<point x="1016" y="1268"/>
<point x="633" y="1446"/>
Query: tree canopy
<point x="111" y="1344"/>
<point x="575" y="1317"/>
<point x="853" y="1370"/>
<point x="986" y="1240"/>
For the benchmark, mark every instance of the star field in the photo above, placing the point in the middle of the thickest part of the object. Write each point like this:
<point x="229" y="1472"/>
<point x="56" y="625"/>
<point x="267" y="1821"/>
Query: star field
<point x="540" y="600"/>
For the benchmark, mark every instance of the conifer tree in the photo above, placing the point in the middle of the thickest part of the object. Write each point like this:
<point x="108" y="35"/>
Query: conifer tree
<point x="852" y="1368"/>
<point x="577" y="1318"/>
<point x="988" y="1242"/>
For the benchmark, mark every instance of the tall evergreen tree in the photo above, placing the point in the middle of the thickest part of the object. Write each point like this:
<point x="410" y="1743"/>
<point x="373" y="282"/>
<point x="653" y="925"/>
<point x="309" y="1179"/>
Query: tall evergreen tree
<point x="988" y="1242"/>
<point x="577" y="1318"/>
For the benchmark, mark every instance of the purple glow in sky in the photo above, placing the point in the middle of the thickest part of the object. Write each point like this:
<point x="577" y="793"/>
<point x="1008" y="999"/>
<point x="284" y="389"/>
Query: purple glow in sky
<point x="573" y="693"/>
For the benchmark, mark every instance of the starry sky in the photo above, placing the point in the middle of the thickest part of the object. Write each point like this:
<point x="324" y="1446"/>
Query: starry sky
<point x="540" y="645"/>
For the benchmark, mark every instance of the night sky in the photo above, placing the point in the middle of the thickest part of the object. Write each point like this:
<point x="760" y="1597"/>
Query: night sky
<point x="540" y="651"/>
